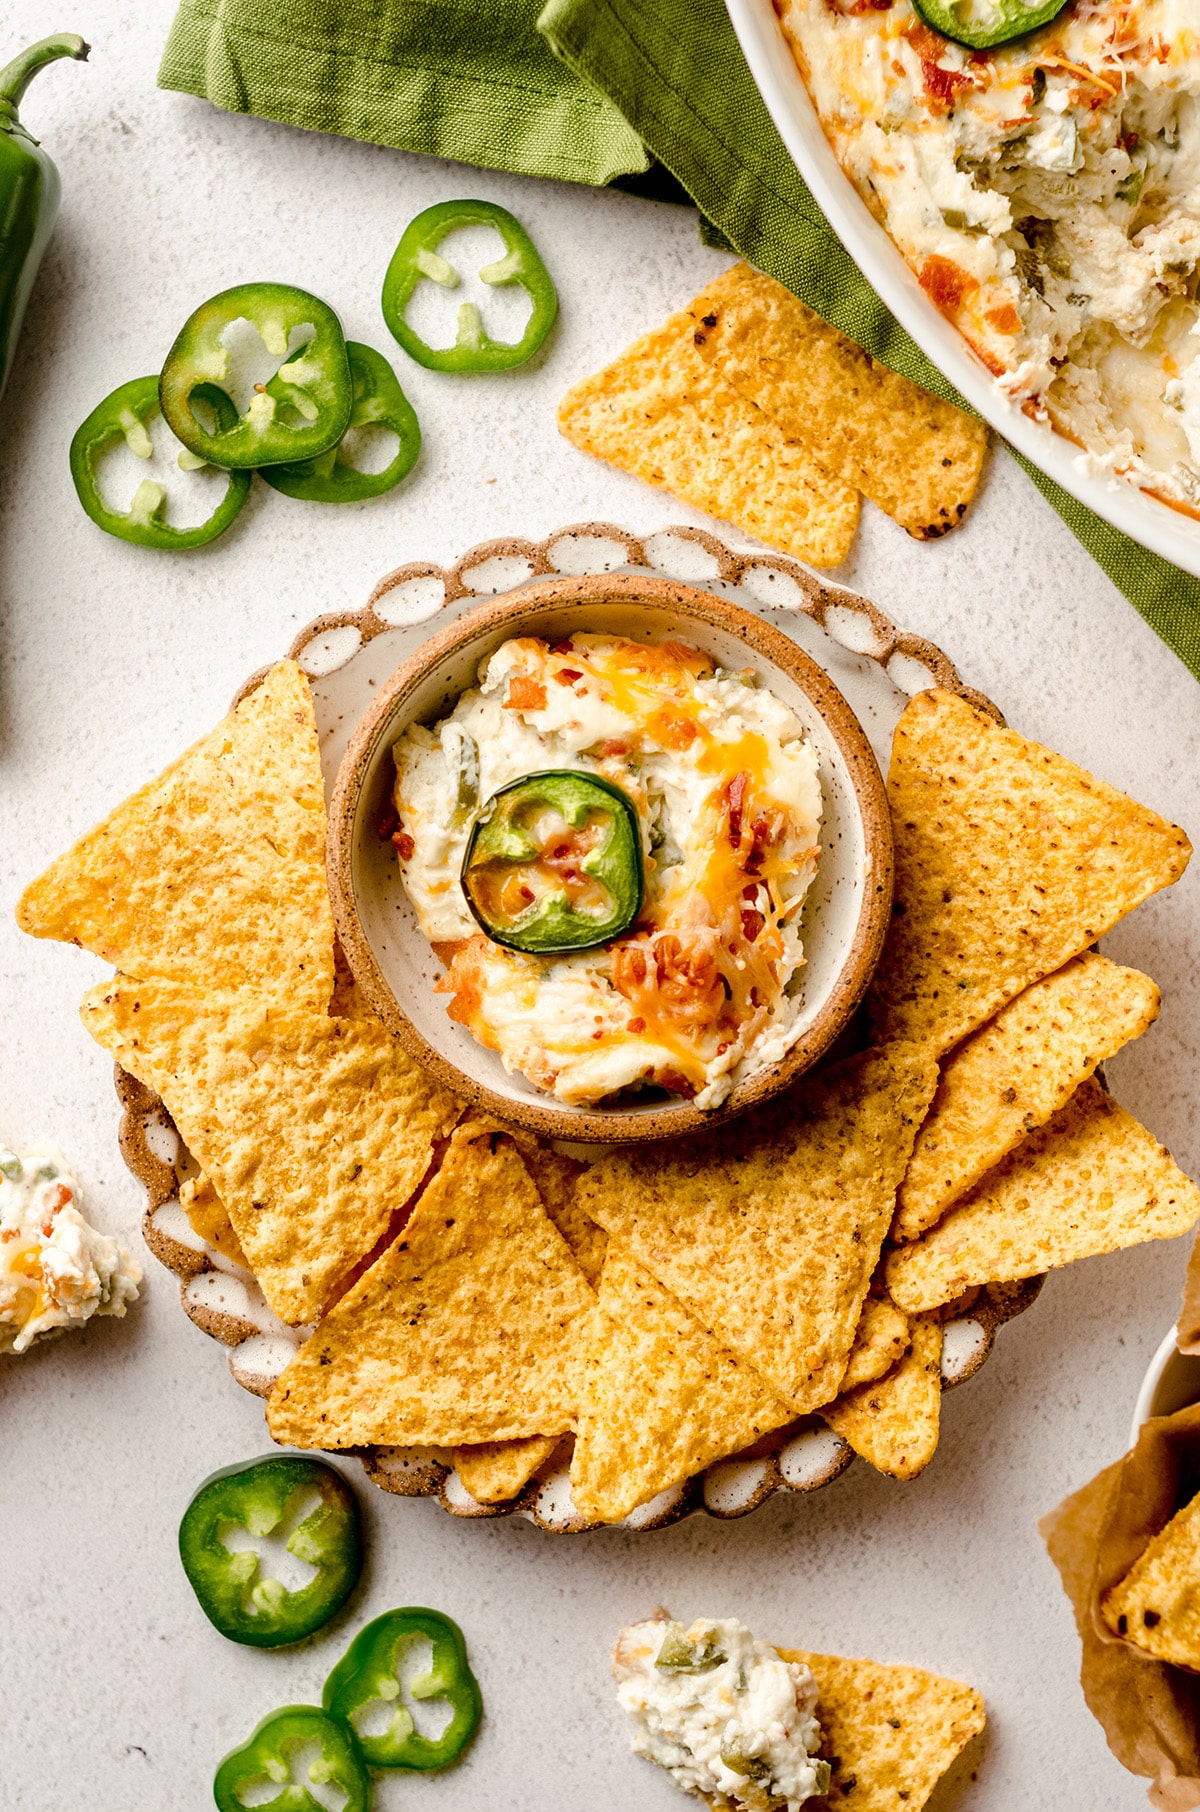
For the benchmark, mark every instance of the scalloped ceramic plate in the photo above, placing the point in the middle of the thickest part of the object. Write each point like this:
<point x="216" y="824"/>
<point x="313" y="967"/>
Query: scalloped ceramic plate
<point x="347" y="656"/>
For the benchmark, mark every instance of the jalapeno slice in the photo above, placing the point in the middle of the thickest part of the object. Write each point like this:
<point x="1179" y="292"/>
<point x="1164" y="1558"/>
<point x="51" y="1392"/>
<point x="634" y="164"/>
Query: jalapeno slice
<point x="127" y="415"/>
<point x="299" y="412"/>
<point x="554" y="863"/>
<point x="372" y="1670"/>
<point x="257" y="1496"/>
<point x="417" y="256"/>
<point x="378" y="402"/>
<point x="984" y="24"/>
<point x="270" y="1758"/>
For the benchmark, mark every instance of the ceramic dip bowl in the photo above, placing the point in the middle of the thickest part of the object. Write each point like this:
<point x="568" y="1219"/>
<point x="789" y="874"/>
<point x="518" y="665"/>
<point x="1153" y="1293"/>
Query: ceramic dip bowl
<point x="845" y="914"/>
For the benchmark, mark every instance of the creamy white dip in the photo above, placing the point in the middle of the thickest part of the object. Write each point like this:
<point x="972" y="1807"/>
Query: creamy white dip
<point x="732" y="1721"/>
<point x="56" y="1271"/>
<point x="1047" y="195"/>
<point x="705" y="989"/>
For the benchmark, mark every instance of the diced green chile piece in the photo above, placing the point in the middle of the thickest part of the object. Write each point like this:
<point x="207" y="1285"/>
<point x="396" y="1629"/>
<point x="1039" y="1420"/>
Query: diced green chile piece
<point x="300" y="412"/>
<point x="369" y="1670"/>
<point x="518" y="875"/>
<point x="679" y="1656"/>
<point x="126" y="415"/>
<point x="267" y="1756"/>
<point x="1002" y="20"/>
<point x="417" y="256"/>
<point x="378" y="402"/>
<point x="256" y="1496"/>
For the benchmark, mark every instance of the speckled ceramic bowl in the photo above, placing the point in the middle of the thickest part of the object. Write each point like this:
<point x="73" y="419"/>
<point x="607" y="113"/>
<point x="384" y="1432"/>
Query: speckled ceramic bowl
<point x="845" y="916"/>
<point x="1172" y="1382"/>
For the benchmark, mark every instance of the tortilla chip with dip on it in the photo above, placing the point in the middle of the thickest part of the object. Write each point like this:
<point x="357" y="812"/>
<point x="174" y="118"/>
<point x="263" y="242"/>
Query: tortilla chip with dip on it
<point x="1090" y="1181"/>
<point x="1010" y="860"/>
<point x="916" y="457"/>
<point x="1013" y="1074"/>
<point x="213" y="875"/>
<point x="890" y="1732"/>
<point x="471" y="1326"/>
<point x="769" y="1230"/>
<point x="894" y="1423"/>
<point x="313" y="1131"/>
<point x="1157" y="1604"/>
<point x="666" y="415"/>
<point x="662" y="1397"/>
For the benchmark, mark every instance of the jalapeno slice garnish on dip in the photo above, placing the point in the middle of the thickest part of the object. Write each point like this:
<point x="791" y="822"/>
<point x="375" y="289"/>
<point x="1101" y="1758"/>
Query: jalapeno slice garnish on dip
<point x="554" y="863"/>
<point x="983" y="24"/>
<point x="379" y="402"/>
<point x="417" y="256"/>
<point x="127" y="415"/>
<point x="258" y="1496"/>
<point x="280" y="1753"/>
<point x="373" y="1669"/>
<point x="300" y="411"/>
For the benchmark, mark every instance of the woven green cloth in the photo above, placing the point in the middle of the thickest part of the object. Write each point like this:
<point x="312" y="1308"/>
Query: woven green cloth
<point x="588" y="91"/>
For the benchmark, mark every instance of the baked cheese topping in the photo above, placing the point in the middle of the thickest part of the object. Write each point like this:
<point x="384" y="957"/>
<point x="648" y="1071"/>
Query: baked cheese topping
<point x="1047" y="195"/>
<point x="705" y="988"/>
<point x="56" y="1271"/>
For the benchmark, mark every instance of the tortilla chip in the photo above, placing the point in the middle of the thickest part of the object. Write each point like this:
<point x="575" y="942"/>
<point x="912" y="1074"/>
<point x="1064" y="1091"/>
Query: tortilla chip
<point x="213" y="875"/>
<point x="769" y="1229"/>
<point x="666" y="415"/>
<point x="1010" y="860"/>
<point x="495" y="1471"/>
<point x="890" y="1732"/>
<point x="916" y="457"/>
<point x="1013" y="1074"/>
<point x="209" y="1218"/>
<point x="1157" y="1604"/>
<point x="662" y="1398"/>
<point x="882" y="1338"/>
<point x="314" y="1131"/>
<point x="893" y="1424"/>
<point x="470" y="1328"/>
<point x="1090" y="1181"/>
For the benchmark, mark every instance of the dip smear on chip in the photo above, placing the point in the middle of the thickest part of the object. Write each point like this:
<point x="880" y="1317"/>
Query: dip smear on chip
<point x="704" y="988"/>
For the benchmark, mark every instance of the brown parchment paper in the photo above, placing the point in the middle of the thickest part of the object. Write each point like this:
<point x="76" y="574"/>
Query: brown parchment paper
<point x="1148" y="1710"/>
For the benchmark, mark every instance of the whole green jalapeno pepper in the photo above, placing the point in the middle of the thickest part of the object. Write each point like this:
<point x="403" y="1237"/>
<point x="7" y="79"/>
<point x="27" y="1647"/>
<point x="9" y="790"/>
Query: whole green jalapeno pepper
<point x="257" y="1496"/>
<point x="301" y="411"/>
<point x="417" y="256"/>
<point x="554" y="863"/>
<point x="268" y="1757"/>
<point x="127" y="415"/>
<point x="378" y="402"/>
<point x="29" y="189"/>
<point x="371" y="1670"/>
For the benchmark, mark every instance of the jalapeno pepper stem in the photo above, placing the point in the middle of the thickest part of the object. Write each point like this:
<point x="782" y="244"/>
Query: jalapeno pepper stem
<point x="16" y="76"/>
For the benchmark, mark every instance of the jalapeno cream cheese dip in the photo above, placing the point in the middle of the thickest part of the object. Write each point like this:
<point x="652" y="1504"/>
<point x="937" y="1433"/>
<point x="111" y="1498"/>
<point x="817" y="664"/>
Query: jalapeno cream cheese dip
<point x="1047" y="195"/>
<point x="56" y="1271"/>
<point x="722" y="1712"/>
<point x="704" y="988"/>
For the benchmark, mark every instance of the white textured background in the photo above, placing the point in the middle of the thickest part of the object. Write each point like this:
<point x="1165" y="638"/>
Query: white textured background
<point x="116" y="1693"/>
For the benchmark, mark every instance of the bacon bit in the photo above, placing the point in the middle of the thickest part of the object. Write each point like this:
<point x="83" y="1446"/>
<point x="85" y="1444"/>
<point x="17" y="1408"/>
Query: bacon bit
<point x="752" y="924"/>
<point x="942" y="86"/>
<point x="1004" y="318"/>
<point x="1128" y="141"/>
<point x="927" y="44"/>
<point x="979" y="59"/>
<point x="636" y="1026"/>
<point x="722" y="1047"/>
<point x="736" y="796"/>
<point x="525" y="694"/>
<point x="599" y="1034"/>
<point x="608" y="749"/>
<point x="567" y="647"/>
<point x="405" y="847"/>
<point x="946" y="283"/>
<point x="566" y="676"/>
<point x="389" y="823"/>
<point x="9" y="1233"/>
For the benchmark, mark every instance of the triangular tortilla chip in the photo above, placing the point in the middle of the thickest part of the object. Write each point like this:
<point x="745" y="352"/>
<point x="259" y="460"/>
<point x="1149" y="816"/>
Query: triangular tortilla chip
<point x="664" y="414"/>
<point x="893" y="1424"/>
<point x="1157" y="1604"/>
<point x="313" y="1131"/>
<point x="493" y="1472"/>
<point x="1090" y="1181"/>
<point x="1013" y="1074"/>
<point x="769" y="1229"/>
<point x="1010" y="860"/>
<point x="882" y="1338"/>
<point x="913" y="455"/>
<point x="890" y="1732"/>
<point x="471" y="1327"/>
<point x="209" y="1218"/>
<point x="213" y="875"/>
<point x="662" y="1398"/>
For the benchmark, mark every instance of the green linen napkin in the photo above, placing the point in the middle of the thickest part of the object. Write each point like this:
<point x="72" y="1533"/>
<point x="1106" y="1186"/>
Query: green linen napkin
<point x="606" y="83"/>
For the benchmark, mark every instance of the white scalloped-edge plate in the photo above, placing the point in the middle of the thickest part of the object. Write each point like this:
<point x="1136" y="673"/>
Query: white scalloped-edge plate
<point x="346" y="655"/>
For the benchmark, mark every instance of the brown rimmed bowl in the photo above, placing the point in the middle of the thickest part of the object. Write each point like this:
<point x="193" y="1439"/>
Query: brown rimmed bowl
<point x="845" y="915"/>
